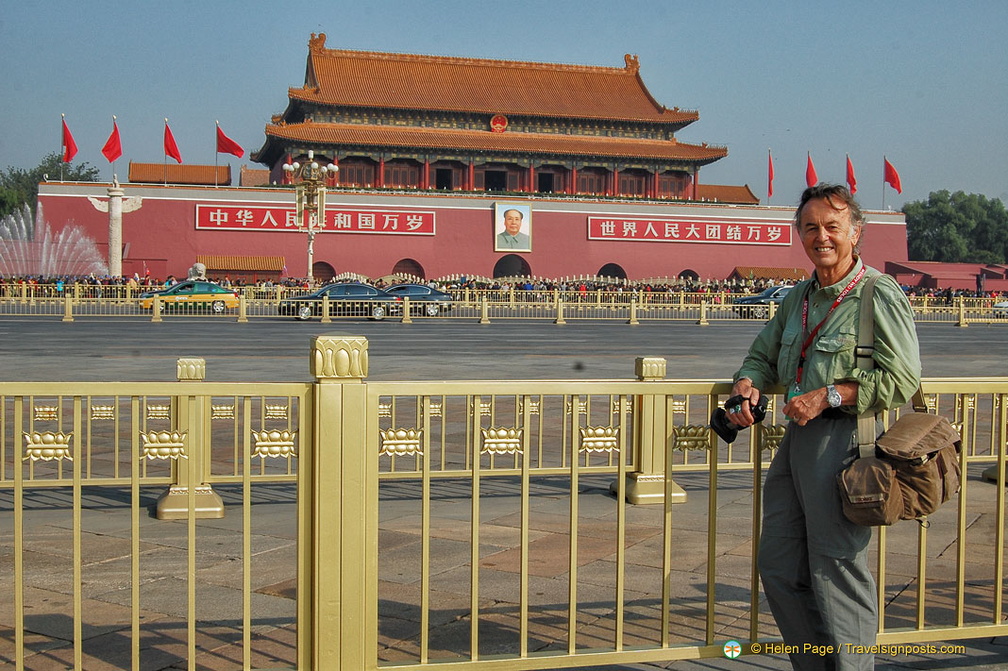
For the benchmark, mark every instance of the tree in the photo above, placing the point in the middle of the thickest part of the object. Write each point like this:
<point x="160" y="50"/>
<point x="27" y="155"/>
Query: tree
<point x="957" y="228"/>
<point x="19" y="187"/>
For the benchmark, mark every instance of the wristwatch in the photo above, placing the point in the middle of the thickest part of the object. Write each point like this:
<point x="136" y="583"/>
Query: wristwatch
<point x="833" y="396"/>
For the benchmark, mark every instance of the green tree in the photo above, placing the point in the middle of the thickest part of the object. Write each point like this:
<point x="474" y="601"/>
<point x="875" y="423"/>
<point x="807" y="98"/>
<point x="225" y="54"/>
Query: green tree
<point x="957" y="228"/>
<point x="19" y="186"/>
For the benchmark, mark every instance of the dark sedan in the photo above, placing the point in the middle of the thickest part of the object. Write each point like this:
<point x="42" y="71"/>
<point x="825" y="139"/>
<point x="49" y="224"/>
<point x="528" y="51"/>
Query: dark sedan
<point x="423" y="299"/>
<point x="758" y="305"/>
<point x="348" y="298"/>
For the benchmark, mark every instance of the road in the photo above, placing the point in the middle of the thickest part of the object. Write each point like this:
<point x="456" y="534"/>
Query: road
<point x="271" y="350"/>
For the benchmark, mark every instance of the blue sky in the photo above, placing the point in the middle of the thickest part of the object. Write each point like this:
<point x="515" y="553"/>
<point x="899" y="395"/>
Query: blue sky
<point x="924" y="83"/>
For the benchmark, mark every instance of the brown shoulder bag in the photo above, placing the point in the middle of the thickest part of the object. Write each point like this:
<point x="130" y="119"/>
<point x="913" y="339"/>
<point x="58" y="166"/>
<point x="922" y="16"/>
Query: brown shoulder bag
<point x="912" y="468"/>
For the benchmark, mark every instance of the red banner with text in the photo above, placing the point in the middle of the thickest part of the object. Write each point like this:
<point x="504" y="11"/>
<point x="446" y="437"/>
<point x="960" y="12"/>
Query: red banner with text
<point x="338" y="219"/>
<point x="658" y="229"/>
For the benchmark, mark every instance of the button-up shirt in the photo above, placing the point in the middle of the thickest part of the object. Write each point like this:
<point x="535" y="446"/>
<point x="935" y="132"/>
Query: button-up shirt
<point x="774" y="356"/>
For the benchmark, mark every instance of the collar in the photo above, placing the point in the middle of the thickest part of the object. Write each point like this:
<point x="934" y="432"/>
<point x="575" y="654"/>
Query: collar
<point x="835" y="289"/>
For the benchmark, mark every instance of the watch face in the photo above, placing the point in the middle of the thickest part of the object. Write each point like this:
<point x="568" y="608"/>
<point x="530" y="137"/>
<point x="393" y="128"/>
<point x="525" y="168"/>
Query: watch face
<point x="833" y="396"/>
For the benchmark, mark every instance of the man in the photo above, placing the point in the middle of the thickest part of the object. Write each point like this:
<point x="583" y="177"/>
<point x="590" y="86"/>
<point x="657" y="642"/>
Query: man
<point x="512" y="237"/>
<point x="812" y="560"/>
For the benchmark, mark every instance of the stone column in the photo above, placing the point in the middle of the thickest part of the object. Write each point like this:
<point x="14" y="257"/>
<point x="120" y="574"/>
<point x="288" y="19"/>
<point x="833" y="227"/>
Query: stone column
<point x="115" y="213"/>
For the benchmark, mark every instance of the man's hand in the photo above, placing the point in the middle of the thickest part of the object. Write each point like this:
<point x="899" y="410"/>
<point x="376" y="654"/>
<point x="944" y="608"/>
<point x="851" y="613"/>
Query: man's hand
<point x="804" y="407"/>
<point x="742" y="416"/>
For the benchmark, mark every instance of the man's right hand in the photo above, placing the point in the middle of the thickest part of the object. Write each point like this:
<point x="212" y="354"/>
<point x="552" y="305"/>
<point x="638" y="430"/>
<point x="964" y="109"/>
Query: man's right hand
<point x="742" y="417"/>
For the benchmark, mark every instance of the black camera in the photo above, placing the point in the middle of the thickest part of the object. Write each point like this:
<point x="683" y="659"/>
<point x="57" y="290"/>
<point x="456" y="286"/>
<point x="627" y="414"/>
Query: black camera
<point x="728" y="431"/>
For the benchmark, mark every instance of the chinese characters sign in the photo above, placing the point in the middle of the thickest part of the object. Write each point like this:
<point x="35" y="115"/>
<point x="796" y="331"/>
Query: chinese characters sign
<point x="658" y="229"/>
<point x="338" y="219"/>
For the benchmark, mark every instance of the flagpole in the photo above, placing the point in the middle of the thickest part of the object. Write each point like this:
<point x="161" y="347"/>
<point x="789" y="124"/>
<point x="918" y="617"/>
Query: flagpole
<point x="165" y="148"/>
<point x="883" y="181"/>
<point x="216" y="152"/>
<point x="114" y="180"/>
<point x="62" y="149"/>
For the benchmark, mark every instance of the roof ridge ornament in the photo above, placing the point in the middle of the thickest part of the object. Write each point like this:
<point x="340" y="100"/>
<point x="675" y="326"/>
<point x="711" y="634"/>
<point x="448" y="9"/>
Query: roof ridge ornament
<point x="632" y="63"/>
<point x="317" y="42"/>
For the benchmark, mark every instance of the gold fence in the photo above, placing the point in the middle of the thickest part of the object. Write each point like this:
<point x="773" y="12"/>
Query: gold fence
<point x="482" y="305"/>
<point x="346" y="524"/>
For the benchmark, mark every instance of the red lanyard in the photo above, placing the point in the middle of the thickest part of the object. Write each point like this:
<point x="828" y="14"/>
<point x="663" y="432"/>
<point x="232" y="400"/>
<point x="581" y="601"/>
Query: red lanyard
<point x="812" y="335"/>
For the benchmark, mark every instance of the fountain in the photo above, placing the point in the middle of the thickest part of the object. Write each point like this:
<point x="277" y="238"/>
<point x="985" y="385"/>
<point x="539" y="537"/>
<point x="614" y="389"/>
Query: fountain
<point x="29" y="248"/>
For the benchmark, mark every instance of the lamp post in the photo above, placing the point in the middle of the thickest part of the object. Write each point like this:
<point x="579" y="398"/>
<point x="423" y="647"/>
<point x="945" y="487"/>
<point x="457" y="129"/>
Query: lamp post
<point x="310" y="199"/>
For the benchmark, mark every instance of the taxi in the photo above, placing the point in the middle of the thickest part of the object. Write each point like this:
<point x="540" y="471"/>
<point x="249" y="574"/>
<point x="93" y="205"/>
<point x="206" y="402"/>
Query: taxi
<point x="192" y="295"/>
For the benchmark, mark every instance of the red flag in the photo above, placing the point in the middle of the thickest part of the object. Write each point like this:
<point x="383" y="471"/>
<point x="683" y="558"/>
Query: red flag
<point x="113" y="146"/>
<point x="810" y="175"/>
<point x="170" y="148"/>
<point x="891" y="177"/>
<point x="851" y="179"/>
<point x="69" y="146"/>
<point x="226" y="145"/>
<point x="769" y="179"/>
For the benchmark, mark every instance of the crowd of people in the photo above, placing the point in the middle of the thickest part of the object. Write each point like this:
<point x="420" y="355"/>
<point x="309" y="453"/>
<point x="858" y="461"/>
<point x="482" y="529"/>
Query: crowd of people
<point x="49" y="285"/>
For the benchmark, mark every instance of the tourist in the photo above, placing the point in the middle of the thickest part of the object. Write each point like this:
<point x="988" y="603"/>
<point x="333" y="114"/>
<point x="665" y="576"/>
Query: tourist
<point x="812" y="560"/>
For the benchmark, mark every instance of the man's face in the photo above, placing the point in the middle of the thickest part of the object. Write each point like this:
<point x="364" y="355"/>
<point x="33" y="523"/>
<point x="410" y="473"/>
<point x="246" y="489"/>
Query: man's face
<point x="828" y="237"/>
<point x="512" y="222"/>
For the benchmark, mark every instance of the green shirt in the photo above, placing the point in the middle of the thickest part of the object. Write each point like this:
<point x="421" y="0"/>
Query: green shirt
<point x="773" y="356"/>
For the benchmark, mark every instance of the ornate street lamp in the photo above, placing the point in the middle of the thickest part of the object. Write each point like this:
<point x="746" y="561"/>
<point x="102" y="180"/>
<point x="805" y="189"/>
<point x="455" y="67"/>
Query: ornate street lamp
<point x="310" y="199"/>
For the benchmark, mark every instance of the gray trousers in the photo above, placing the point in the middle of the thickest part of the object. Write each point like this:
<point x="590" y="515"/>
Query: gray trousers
<point x="813" y="562"/>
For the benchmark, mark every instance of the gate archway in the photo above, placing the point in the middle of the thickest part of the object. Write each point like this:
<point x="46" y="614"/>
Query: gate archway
<point x="512" y="265"/>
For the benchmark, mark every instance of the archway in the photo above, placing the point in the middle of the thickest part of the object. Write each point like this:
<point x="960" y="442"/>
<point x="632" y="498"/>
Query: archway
<point x="512" y="265"/>
<point x="323" y="271"/>
<point x="614" y="270"/>
<point x="410" y="268"/>
<point x="689" y="275"/>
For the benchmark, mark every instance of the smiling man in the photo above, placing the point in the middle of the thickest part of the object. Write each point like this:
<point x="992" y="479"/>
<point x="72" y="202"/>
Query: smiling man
<point x="812" y="560"/>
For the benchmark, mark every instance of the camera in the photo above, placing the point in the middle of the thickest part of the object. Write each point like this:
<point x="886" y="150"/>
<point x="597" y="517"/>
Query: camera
<point x="728" y="431"/>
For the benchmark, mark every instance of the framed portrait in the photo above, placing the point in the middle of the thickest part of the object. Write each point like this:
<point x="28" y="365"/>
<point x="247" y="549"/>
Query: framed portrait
<point x="512" y="227"/>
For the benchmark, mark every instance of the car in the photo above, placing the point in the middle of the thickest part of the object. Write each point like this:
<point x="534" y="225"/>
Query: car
<point x="426" y="300"/>
<point x="758" y="306"/>
<point x="1001" y="310"/>
<point x="345" y="298"/>
<point x="192" y="295"/>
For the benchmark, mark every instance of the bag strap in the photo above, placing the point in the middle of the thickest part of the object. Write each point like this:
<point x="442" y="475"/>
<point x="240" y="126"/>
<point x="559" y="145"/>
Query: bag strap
<point x="864" y="361"/>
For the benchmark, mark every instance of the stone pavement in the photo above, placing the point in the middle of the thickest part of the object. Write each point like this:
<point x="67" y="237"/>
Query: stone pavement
<point x="163" y="546"/>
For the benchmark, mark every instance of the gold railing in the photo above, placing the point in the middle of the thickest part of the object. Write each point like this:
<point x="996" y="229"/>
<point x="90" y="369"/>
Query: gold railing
<point x="347" y="524"/>
<point x="485" y="306"/>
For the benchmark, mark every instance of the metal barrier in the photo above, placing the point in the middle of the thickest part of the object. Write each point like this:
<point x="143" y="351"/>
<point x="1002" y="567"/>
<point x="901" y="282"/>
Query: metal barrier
<point x="435" y="525"/>
<point x="484" y="305"/>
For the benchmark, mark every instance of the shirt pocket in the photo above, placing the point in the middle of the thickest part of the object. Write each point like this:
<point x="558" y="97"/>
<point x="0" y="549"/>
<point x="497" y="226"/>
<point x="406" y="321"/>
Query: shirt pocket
<point x="834" y="355"/>
<point x="787" y="358"/>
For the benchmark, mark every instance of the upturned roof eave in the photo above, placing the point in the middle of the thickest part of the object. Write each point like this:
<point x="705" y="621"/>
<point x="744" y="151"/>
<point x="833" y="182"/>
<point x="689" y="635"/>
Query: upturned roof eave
<point x="677" y="119"/>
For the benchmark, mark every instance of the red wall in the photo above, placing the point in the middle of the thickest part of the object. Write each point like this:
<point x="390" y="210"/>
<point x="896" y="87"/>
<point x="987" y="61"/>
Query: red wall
<point x="163" y="234"/>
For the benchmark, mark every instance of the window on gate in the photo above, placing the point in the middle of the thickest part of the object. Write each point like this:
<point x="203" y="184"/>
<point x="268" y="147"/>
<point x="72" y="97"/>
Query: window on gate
<point x="356" y="173"/>
<point x="402" y="174"/>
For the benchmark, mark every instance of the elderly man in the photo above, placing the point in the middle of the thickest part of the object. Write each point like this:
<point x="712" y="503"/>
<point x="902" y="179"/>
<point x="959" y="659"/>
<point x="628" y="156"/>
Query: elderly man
<point x="812" y="560"/>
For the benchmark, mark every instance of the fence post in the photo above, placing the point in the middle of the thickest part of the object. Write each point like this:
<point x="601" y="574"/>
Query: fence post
<point x="652" y="437"/>
<point x="156" y="307"/>
<point x="68" y="305"/>
<point x="193" y="417"/>
<point x="242" y="308"/>
<point x="326" y="319"/>
<point x="633" y="312"/>
<point x="484" y="311"/>
<point x="406" y="319"/>
<point x="559" y="311"/>
<point x="340" y="483"/>
<point x="962" y="313"/>
<point x="703" y="314"/>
